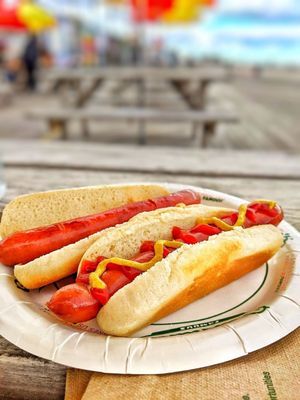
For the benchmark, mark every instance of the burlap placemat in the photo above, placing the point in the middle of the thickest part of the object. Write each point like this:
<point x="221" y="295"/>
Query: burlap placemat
<point x="76" y="383"/>
<point x="268" y="374"/>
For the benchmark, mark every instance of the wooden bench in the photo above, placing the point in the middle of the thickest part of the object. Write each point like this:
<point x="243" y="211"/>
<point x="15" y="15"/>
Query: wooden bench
<point x="58" y="119"/>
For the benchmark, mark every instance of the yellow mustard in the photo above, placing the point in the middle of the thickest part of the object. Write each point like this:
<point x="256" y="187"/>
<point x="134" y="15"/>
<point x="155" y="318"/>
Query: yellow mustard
<point x="241" y="216"/>
<point x="97" y="282"/>
<point x="271" y="203"/>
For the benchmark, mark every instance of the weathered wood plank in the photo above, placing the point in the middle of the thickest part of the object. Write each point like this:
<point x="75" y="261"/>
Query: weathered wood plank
<point x="32" y="379"/>
<point x="58" y="119"/>
<point x="210" y="162"/>
<point x="133" y="113"/>
<point x="133" y="73"/>
<point x="268" y="114"/>
<point x="24" y="376"/>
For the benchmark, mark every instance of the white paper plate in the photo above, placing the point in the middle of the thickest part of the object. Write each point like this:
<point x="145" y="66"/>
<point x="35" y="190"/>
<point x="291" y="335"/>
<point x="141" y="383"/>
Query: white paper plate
<point x="246" y="315"/>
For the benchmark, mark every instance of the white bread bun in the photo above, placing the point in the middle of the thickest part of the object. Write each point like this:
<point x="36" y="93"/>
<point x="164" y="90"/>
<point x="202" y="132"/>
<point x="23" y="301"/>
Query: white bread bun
<point x="46" y="208"/>
<point x="126" y="239"/>
<point x="64" y="262"/>
<point x="186" y="275"/>
<point x="53" y="266"/>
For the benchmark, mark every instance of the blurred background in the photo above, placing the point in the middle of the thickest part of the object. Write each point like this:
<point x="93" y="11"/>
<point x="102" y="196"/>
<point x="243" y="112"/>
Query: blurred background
<point x="93" y="70"/>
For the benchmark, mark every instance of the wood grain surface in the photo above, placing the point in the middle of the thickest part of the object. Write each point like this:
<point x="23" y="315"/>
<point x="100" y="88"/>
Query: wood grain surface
<point x="134" y="73"/>
<point x="33" y="166"/>
<point x="149" y="160"/>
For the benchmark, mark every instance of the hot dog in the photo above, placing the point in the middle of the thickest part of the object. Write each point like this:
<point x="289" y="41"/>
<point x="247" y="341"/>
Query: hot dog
<point x="116" y="259"/>
<point x="37" y="244"/>
<point x="22" y="247"/>
<point x="46" y="208"/>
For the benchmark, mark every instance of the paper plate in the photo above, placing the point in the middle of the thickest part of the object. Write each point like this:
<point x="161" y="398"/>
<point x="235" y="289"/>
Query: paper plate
<point x="251" y="313"/>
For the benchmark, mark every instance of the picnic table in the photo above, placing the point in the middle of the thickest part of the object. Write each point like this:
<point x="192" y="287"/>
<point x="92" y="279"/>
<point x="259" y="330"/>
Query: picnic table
<point x="85" y="81"/>
<point x="190" y="84"/>
<point x="33" y="166"/>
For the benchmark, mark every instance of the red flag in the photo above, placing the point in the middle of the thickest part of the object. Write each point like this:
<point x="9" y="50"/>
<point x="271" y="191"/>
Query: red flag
<point x="150" y="10"/>
<point x="9" y="16"/>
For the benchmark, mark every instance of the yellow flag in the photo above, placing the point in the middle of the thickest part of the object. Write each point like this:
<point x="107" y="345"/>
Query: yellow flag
<point x="207" y="3"/>
<point x="183" y="11"/>
<point x="35" y="17"/>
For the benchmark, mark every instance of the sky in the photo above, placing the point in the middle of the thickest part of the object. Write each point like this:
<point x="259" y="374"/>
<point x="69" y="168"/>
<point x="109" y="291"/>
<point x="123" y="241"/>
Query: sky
<point x="266" y="7"/>
<point x="238" y="30"/>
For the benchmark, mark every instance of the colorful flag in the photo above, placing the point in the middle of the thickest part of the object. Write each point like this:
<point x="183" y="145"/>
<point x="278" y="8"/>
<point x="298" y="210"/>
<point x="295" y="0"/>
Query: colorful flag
<point x="150" y="10"/>
<point x="182" y="11"/>
<point x="35" y="18"/>
<point x="24" y="15"/>
<point x="8" y="15"/>
<point x="169" y="11"/>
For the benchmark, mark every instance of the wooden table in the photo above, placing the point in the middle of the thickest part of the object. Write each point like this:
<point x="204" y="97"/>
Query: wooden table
<point x="179" y="78"/>
<point x="33" y="166"/>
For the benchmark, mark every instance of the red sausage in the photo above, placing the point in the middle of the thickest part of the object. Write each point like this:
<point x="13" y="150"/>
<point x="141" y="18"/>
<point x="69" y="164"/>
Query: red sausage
<point x="74" y="303"/>
<point x="263" y="214"/>
<point x="22" y="247"/>
<point x="258" y="214"/>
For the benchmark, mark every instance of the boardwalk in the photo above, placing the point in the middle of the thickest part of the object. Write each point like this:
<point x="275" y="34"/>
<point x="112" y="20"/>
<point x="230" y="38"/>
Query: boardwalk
<point x="268" y="110"/>
<point x="269" y="113"/>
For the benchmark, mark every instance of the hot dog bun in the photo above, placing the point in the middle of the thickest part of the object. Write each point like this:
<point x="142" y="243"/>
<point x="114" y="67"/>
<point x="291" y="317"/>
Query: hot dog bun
<point x="64" y="262"/>
<point x="126" y="239"/>
<point x="45" y="208"/>
<point x="53" y="266"/>
<point x="186" y="275"/>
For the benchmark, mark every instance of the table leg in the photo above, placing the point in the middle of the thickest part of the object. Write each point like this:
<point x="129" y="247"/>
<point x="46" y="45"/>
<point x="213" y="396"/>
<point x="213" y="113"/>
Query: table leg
<point x="56" y="85"/>
<point x="85" y="95"/>
<point x="142" y="135"/>
<point x="57" y="129"/>
<point x="199" y="96"/>
<point x="195" y="100"/>
<point x="85" y="129"/>
<point x="64" y="132"/>
<point x="141" y="93"/>
<point x="141" y="102"/>
<point x="197" y="135"/>
<point x="209" y="129"/>
<point x="181" y="87"/>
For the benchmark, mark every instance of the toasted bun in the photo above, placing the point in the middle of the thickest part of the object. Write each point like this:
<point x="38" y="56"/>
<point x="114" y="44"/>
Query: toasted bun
<point x="126" y="239"/>
<point x="186" y="275"/>
<point x="45" y="208"/>
<point x="64" y="262"/>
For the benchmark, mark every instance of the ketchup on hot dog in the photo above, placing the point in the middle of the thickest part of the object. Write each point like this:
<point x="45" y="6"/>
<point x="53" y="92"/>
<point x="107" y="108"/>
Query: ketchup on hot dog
<point x="114" y="275"/>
